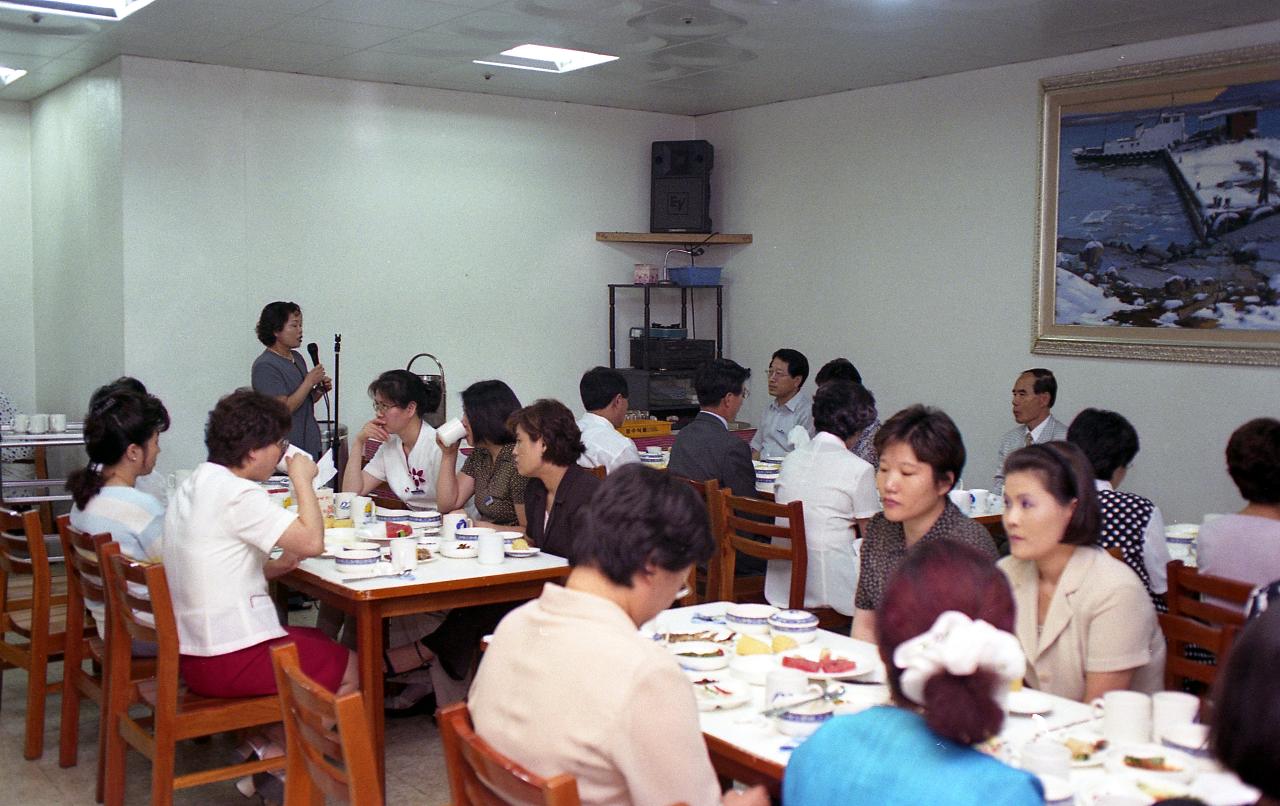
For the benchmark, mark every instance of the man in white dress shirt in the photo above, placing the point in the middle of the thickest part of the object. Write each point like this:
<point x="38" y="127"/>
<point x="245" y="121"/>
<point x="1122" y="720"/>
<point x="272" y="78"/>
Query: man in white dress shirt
<point x="604" y="396"/>
<point x="789" y="408"/>
<point x="1034" y="394"/>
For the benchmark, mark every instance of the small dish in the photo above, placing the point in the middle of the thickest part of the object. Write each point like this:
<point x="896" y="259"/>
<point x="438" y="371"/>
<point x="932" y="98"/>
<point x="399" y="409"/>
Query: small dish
<point x="357" y="558"/>
<point x="750" y="618"/>
<point x="799" y="625"/>
<point x="1088" y="749"/>
<point x="803" y="720"/>
<point x="459" y="551"/>
<point x="520" y="554"/>
<point x="470" y="534"/>
<point x="700" y="656"/>
<point x="719" y="692"/>
<point x="1026" y="702"/>
<point x="1150" y="763"/>
<point x="820" y="663"/>
<point x="510" y="537"/>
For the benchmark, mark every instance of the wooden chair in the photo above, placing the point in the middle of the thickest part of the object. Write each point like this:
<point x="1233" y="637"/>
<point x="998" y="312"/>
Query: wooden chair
<point x="176" y="713"/>
<point x="1195" y="625"/>
<point x="708" y="580"/>
<point x="1116" y="552"/>
<point x="84" y="586"/>
<point x="481" y="776"/>
<point x="734" y="528"/>
<point x="599" y="471"/>
<point x="31" y="609"/>
<point x="323" y="761"/>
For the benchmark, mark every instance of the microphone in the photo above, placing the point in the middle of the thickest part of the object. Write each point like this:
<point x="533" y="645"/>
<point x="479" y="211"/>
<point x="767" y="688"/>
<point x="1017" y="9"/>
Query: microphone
<point x="313" y="350"/>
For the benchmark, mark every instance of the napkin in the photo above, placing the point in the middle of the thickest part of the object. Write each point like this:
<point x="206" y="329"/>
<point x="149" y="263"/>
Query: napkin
<point x="325" y="469"/>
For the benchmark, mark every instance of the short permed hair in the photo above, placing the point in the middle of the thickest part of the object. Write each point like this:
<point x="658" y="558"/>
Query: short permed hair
<point x="1108" y="440"/>
<point x="838" y="369"/>
<point x="932" y="437"/>
<point x="1064" y="471"/>
<point x="553" y="423"/>
<point x="843" y="408"/>
<point x="402" y="387"/>
<point x="487" y="405"/>
<point x="273" y="319"/>
<point x="242" y="422"/>
<point x="1253" y="460"/>
<point x="599" y="386"/>
<point x="640" y="516"/>
<point x="717" y="378"/>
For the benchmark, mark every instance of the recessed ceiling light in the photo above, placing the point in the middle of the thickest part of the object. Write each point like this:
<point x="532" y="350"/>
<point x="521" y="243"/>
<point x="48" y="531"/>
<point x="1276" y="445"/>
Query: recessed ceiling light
<point x="94" y="9"/>
<point x="545" y="59"/>
<point x="8" y="75"/>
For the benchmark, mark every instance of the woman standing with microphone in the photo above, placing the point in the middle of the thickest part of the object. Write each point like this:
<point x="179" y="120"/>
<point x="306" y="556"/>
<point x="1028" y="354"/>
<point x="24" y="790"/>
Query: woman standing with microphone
<point x="281" y="372"/>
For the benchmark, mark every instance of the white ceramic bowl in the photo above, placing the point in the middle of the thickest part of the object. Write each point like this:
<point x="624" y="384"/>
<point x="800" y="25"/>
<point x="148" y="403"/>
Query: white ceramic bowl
<point x="805" y="719"/>
<point x="1192" y="739"/>
<point x="400" y="515"/>
<point x="700" y="656"/>
<point x="470" y="534"/>
<point x="750" y="618"/>
<point x="351" y="558"/>
<point x="459" y="551"/>
<point x="362" y="545"/>
<point x="800" y="626"/>
<point x="509" y="537"/>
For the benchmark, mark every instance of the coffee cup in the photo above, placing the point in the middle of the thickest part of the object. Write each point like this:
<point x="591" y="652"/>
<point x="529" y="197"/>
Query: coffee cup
<point x="1126" y="716"/>
<point x="1047" y="757"/>
<point x="283" y="465"/>
<point x="343" y="503"/>
<point x="978" y="502"/>
<point x="451" y="432"/>
<point x="960" y="498"/>
<point x="38" y="424"/>
<point x="324" y="497"/>
<point x="1172" y="708"/>
<point x="361" y="510"/>
<point x="785" y="686"/>
<point x="451" y="523"/>
<point x="57" y="423"/>
<point x="21" y="423"/>
<point x="491" y="548"/>
<point x="404" y="553"/>
<point x="654" y="450"/>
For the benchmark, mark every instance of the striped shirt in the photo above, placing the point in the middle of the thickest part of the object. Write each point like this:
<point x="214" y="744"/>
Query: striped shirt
<point x="134" y="519"/>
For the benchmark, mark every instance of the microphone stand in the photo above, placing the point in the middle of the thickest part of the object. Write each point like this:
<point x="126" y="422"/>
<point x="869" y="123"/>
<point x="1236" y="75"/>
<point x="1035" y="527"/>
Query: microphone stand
<point x="339" y="456"/>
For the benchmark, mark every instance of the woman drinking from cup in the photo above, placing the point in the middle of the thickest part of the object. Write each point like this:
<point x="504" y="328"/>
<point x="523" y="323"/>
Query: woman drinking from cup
<point x="921" y="456"/>
<point x="408" y="459"/>
<point x="490" y="472"/>
<point x="1085" y="621"/>
<point x="943" y="632"/>
<point x="122" y="437"/>
<point x="548" y="444"/>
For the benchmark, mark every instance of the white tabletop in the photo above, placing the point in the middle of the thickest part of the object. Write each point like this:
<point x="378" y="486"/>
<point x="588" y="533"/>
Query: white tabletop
<point x="744" y="728"/>
<point x="441" y="569"/>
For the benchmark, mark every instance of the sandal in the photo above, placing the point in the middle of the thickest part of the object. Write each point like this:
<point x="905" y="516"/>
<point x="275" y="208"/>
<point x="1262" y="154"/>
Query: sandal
<point x="389" y="669"/>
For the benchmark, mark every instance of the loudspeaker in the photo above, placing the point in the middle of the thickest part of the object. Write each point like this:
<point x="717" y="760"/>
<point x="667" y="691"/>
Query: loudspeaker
<point x="680" y="197"/>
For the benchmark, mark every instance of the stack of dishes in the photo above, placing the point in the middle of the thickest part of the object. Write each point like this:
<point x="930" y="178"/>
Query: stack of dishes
<point x="767" y="473"/>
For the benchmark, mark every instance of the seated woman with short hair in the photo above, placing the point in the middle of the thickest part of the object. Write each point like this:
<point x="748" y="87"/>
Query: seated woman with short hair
<point x="569" y="686"/>
<point x="489" y="474"/>
<point x="408" y="458"/>
<point x="548" y="445"/>
<point x="1085" y="622"/>
<point x="220" y="530"/>
<point x="1246" y="545"/>
<point x="944" y="638"/>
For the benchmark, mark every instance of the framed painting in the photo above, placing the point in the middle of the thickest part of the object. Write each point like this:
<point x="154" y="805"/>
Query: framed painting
<point x="1159" y="229"/>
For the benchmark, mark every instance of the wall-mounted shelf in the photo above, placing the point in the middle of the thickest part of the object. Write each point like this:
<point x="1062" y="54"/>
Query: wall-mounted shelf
<point x="675" y="238"/>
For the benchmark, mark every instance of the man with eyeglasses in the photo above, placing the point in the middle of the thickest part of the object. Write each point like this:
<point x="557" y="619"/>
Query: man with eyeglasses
<point x="704" y="449"/>
<point x="790" y="408"/>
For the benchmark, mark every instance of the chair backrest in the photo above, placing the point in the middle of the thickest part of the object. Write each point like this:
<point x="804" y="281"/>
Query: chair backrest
<point x="710" y="492"/>
<point x="1116" y="552"/>
<point x="599" y="471"/>
<point x="1182" y="632"/>
<point x="736" y="522"/>
<point x="1190" y="594"/>
<point x="23" y="555"/>
<point x="481" y="776"/>
<point x="329" y="741"/>
<point x="1197" y="623"/>
<point x="84" y="574"/>
<point x="137" y="618"/>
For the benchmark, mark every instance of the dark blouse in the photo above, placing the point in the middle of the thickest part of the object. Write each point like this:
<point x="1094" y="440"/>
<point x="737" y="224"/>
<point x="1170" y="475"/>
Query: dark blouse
<point x="885" y="547"/>
<point x="567" y="514"/>
<point x="499" y="487"/>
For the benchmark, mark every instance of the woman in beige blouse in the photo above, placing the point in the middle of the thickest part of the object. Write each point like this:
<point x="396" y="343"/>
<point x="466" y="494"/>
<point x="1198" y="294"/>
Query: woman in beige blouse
<point x="1084" y="619"/>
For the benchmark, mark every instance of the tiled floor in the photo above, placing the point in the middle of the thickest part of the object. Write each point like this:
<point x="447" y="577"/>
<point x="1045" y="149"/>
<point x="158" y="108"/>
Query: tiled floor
<point x="415" y="767"/>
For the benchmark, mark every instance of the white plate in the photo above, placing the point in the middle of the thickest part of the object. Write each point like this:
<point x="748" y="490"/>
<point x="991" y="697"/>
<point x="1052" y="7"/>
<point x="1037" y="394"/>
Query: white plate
<point x="1097" y="757"/>
<point x="521" y="553"/>
<point x="1186" y="766"/>
<point x="753" y="668"/>
<point x="459" y="551"/>
<point x="685" y="652"/>
<point x="718" y="692"/>
<point x="865" y="662"/>
<point x="1029" y="701"/>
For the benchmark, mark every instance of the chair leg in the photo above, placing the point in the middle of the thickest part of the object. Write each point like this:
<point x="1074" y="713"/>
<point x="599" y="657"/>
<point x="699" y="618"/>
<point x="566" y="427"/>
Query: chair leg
<point x="100" y="791"/>
<point x="69" y="731"/>
<point x="113" y="757"/>
<point x="37" y="690"/>
<point x="162" y="768"/>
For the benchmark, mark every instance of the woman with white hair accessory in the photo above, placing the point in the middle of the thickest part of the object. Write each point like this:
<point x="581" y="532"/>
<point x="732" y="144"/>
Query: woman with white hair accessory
<point x="944" y="636"/>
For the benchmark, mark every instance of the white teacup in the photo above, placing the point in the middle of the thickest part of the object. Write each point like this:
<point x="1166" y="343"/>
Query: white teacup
<point x="38" y="424"/>
<point x="491" y="548"/>
<point x="978" y="502"/>
<point x="960" y="498"/>
<point x="451" y="432"/>
<point x="785" y="686"/>
<point x="451" y="523"/>
<point x="361" y="510"/>
<point x="343" y="503"/>
<point x="1172" y="708"/>
<point x="1126" y="716"/>
<point x="404" y="553"/>
<point x="21" y="423"/>
<point x="57" y="423"/>
<point x="283" y="466"/>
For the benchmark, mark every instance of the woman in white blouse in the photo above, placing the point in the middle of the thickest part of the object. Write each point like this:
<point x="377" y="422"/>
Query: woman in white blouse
<point x="408" y="459"/>
<point x="220" y="530"/>
<point x="838" y="490"/>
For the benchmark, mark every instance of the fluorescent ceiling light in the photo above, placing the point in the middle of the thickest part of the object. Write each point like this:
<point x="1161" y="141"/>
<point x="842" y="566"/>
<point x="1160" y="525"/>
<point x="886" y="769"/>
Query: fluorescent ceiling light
<point x="8" y="75"/>
<point x="93" y="9"/>
<point x="546" y="59"/>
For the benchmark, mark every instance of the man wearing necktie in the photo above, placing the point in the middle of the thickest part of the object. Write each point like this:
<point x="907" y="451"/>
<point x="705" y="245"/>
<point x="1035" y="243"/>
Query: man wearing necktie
<point x="1034" y="394"/>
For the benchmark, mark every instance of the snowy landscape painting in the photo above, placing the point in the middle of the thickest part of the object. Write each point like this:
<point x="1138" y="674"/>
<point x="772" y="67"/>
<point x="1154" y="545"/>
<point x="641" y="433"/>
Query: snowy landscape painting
<point x="1163" y="225"/>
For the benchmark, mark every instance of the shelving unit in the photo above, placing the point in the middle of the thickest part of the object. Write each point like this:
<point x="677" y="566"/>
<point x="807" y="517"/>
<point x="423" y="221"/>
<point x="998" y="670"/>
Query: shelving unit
<point x="675" y="238"/>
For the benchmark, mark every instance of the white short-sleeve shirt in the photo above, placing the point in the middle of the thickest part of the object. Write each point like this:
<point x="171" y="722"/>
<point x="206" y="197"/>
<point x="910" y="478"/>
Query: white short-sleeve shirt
<point x="219" y="530"/>
<point x="412" y="479"/>
<point x="836" y="488"/>
<point x="605" y="446"/>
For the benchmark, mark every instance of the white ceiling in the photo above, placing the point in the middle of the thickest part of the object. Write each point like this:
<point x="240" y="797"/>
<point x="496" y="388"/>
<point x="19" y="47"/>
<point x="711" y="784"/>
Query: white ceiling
<point x="693" y="57"/>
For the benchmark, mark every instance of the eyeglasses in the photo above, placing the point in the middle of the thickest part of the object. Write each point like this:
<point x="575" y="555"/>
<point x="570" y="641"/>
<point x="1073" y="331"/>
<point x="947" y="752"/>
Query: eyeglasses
<point x="382" y="408"/>
<point x="284" y="444"/>
<point x="776" y="373"/>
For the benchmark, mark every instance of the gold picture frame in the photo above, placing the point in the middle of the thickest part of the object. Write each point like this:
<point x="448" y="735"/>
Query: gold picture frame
<point x="1108" y="283"/>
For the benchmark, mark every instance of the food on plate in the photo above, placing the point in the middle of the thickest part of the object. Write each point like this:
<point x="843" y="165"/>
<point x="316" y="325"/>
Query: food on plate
<point x="710" y="687"/>
<point x="781" y="643"/>
<point x="714" y="636"/>
<point x="1159" y="792"/>
<point x="399" y="529"/>
<point x="424" y="554"/>
<point x="716" y="653"/>
<point x="519" y="544"/>
<point x="1150" y="764"/>
<point x="1084" y="749"/>
<point x="826" y="663"/>
<point x="748" y="645"/>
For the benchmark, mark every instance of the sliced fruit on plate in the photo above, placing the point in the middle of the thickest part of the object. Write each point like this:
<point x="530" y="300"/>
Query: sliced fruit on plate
<point x="803" y="664"/>
<point x="747" y="645"/>
<point x="399" y="529"/>
<point x="781" y="643"/>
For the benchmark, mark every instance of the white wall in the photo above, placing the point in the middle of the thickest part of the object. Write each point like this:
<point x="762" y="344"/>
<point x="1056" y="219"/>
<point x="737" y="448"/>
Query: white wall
<point x="895" y="226"/>
<point x="407" y="219"/>
<point x="77" y="239"/>
<point x="17" y="359"/>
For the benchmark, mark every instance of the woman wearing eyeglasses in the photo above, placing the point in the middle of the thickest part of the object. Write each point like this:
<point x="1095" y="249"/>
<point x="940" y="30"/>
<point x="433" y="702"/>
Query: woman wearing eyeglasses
<point x="408" y="459"/>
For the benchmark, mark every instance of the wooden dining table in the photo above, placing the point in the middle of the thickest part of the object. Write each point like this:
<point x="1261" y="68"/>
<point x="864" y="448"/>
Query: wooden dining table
<point x="444" y="583"/>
